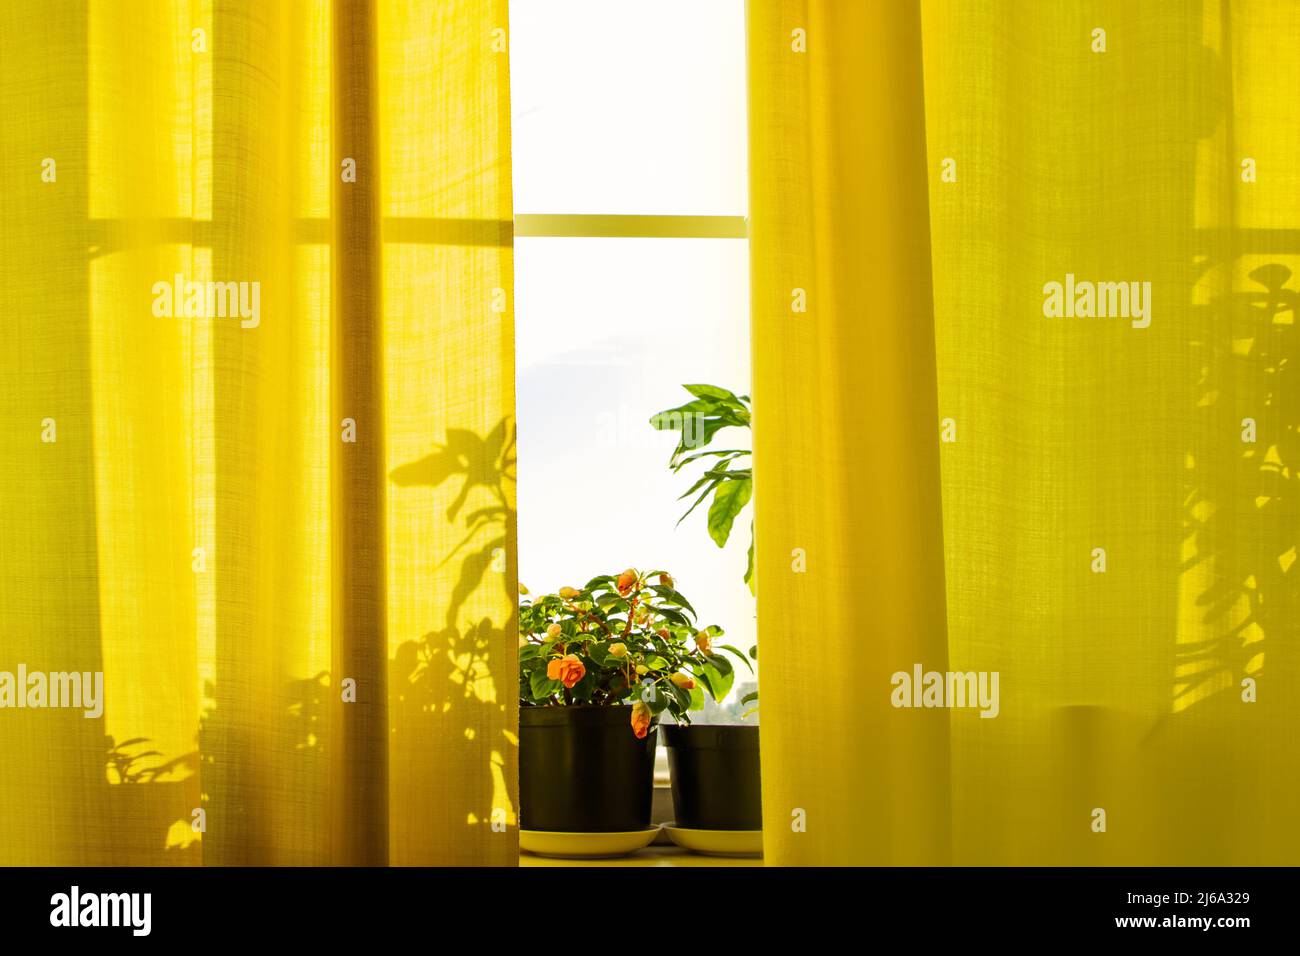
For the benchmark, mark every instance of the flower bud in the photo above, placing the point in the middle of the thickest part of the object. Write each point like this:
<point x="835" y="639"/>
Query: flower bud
<point x="641" y="717"/>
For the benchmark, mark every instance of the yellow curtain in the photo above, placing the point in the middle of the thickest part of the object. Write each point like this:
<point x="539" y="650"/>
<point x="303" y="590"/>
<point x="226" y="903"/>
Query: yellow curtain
<point x="1119" y="516"/>
<point x="847" y="520"/>
<point x="257" y="428"/>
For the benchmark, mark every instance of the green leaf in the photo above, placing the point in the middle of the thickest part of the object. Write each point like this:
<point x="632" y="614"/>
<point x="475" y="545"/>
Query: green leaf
<point x="681" y="696"/>
<point x="730" y="454"/>
<point x="583" y="690"/>
<point x="710" y="427"/>
<point x="542" y="686"/>
<point x="701" y="481"/>
<point x="669" y="594"/>
<point x="676" y="617"/>
<point x="749" y="570"/>
<point x="749" y="698"/>
<point x="731" y="497"/>
<point x="671" y="419"/>
<point x="713" y="391"/>
<point x="697" y="698"/>
<point x="717" y="682"/>
<point x="610" y="600"/>
<point x="740" y="655"/>
<point x="704" y="494"/>
<point x="727" y="474"/>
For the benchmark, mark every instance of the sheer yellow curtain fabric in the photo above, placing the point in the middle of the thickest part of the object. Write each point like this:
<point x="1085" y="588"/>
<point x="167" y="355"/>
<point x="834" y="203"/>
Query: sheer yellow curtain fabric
<point x="849" y="544"/>
<point x="1120" y="502"/>
<point x="257" y="427"/>
<point x="1119" y="516"/>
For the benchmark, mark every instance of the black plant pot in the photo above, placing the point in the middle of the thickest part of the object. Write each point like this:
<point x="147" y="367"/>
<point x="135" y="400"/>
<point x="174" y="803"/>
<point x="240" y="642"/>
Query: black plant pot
<point x="715" y="775"/>
<point x="583" y="770"/>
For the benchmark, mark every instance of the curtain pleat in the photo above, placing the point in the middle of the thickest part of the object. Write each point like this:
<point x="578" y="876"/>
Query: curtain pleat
<point x="849" y="543"/>
<point x="359" y="565"/>
<point x="51" y="807"/>
<point x="285" y="536"/>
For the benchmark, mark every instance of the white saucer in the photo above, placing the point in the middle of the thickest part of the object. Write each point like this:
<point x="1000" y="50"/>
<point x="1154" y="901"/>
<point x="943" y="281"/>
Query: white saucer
<point x="744" y="843"/>
<point x="585" y="846"/>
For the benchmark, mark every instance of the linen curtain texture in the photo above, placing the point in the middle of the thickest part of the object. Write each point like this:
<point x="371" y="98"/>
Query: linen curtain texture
<point x="287" y="536"/>
<point x="1106" y="505"/>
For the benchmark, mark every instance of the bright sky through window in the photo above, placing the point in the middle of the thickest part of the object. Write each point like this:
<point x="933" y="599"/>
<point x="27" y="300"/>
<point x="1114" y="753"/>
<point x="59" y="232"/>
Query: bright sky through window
<point x="626" y="108"/>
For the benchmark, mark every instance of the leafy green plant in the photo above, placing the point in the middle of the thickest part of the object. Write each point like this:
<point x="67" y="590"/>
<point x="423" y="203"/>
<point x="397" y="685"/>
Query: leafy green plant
<point x="728" y="472"/>
<point x="627" y="638"/>
<point x="752" y="696"/>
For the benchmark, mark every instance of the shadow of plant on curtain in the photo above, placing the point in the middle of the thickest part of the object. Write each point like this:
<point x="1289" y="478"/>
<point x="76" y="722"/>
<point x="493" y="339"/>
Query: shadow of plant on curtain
<point x="424" y="673"/>
<point x="458" y="653"/>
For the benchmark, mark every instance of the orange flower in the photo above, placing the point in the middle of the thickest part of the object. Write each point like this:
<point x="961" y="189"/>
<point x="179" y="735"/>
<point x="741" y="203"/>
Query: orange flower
<point x="704" y="643"/>
<point x="683" y="681"/>
<point x="568" y="670"/>
<point x="640" y="719"/>
<point x="626" y="581"/>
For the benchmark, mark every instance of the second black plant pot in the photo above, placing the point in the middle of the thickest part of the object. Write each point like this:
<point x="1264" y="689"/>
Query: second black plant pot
<point x="715" y="777"/>
<point x="583" y="770"/>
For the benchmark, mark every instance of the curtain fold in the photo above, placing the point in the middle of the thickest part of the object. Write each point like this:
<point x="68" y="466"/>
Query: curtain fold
<point x="257" y="426"/>
<point x="848" y="532"/>
<point x="1118" y="476"/>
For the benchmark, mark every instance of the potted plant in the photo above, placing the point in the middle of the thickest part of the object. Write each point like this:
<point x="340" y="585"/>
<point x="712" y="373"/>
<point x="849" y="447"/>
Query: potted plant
<point x="598" y="665"/>
<point x="715" y="768"/>
<point x="715" y="771"/>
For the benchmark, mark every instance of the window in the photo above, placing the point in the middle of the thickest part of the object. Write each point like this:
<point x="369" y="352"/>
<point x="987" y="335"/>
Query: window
<point x="631" y="278"/>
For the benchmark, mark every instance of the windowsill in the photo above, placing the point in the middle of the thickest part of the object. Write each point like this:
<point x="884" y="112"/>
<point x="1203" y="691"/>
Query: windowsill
<point x="650" y="856"/>
<point x="662" y="852"/>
